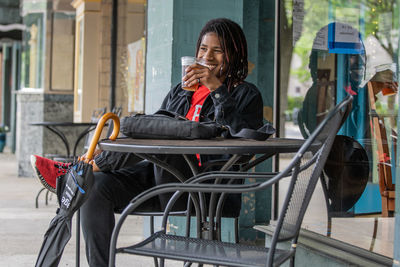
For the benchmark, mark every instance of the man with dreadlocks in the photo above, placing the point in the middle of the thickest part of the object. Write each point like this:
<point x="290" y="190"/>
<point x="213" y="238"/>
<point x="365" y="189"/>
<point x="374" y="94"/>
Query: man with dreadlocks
<point x="222" y="96"/>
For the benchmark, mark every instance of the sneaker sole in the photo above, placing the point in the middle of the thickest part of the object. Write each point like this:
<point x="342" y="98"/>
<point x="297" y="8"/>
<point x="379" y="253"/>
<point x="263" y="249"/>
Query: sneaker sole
<point x="40" y="177"/>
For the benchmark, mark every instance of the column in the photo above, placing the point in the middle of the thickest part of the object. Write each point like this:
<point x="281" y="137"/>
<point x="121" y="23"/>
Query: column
<point x="87" y="49"/>
<point x="173" y="28"/>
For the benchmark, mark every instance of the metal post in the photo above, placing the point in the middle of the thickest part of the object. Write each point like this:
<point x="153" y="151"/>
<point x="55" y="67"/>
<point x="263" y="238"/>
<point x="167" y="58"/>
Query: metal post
<point x="113" y="59"/>
<point x="277" y="61"/>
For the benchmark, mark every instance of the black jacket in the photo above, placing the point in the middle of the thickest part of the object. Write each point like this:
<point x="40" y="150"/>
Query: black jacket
<point x="241" y="108"/>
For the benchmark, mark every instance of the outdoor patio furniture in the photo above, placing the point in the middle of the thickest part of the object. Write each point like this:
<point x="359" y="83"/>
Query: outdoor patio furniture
<point x="241" y="156"/>
<point x="303" y="171"/>
<point x="89" y="127"/>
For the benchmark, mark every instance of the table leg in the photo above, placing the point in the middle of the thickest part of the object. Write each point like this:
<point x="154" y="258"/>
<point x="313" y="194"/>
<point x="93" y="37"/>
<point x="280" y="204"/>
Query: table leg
<point x="62" y="136"/>
<point x="81" y="135"/>
<point x="257" y="161"/>
<point x="78" y="238"/>
<point x="213" y="198"/>
<point x="195" y="171"/>
<point x="180" y="177"/>
<point x="192" y="165"/>
<point x="37" y="197"/>
<point x="221" y="200"/>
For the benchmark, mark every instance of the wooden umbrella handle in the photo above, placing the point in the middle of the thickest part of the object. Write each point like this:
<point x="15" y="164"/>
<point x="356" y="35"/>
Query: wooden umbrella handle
<point x="97" y="133"/>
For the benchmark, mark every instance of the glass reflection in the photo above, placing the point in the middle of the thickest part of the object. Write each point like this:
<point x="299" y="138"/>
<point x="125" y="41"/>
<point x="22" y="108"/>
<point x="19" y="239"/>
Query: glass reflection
<point x="32" y="51"/>
<point x="349" y="48"/>
<point x="337" y="67"/>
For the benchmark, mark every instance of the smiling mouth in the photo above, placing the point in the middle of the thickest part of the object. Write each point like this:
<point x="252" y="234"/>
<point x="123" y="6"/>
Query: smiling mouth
<point x="209" y="66"/>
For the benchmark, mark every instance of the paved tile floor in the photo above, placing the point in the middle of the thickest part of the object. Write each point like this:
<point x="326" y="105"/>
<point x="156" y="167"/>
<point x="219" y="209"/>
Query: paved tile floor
<point x="22" y="226"/>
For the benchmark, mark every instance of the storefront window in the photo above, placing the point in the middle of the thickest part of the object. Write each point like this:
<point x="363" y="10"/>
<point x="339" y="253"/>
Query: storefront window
<point x="62" y="51"/>
<point x="32" y="51"/>
<point x="335" y="48"/>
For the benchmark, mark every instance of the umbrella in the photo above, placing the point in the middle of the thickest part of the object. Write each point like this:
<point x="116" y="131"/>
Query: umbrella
<point x="72" y="191"/>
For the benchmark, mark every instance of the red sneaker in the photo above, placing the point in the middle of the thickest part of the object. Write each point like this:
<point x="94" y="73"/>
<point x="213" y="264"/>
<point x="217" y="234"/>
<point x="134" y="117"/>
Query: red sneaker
<point x="48" y="171"/>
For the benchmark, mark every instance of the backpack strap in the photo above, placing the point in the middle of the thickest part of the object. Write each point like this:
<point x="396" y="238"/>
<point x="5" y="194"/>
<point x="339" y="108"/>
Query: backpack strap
<point x="260" y="134"/>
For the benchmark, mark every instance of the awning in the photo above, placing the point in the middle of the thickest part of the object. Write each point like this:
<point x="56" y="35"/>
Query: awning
<point x="12" y="31"/>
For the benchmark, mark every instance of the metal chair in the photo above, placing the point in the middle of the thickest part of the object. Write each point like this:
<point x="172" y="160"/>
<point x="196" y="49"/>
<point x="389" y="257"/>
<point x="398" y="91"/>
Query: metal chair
<point x="303" y="171"/>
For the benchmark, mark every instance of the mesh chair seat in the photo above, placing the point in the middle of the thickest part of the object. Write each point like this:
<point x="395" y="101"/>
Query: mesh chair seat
<point x="203" y="251"/>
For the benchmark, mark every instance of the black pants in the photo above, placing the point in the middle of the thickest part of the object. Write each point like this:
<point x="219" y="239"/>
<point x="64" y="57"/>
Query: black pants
<point x="111" y="192"/>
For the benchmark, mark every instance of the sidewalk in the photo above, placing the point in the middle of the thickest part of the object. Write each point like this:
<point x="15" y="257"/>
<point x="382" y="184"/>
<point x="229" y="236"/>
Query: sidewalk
<point x="22" y="226"/>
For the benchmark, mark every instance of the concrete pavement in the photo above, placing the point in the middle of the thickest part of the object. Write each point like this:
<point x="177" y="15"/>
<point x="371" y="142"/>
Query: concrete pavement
<point x="22" y="226"/>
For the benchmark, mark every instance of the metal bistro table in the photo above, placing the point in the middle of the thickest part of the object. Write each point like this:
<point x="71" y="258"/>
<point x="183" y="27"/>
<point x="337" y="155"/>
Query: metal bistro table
<point x="54" y="127"/>
<point x="148" y="148"/>
<point x="237" y="148"/>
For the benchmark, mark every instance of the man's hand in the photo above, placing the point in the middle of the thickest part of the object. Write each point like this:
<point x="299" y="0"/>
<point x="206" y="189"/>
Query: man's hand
<point x="92" y="162"/>
<point x="197" y="72"/>
<point x="95" y="153"/>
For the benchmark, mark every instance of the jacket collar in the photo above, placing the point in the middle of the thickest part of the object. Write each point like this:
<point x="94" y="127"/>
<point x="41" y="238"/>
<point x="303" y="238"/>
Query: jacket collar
<point x="183" y="92"/>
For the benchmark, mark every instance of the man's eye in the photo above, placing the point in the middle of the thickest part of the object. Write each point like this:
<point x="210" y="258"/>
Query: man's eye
<point x="203" y="49"/>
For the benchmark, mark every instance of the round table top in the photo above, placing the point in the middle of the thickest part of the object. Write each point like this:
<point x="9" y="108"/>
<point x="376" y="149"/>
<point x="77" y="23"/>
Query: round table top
<point x="203" y="146"/>
<point x="63" y="123"/>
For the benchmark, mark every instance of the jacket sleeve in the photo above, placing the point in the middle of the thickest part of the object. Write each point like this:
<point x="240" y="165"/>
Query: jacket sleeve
<point x="243" y="108"/>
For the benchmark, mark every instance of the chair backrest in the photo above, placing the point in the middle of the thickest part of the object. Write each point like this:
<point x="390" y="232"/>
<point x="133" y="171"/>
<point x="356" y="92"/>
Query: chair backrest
<point x="97" y="113"/>
<point x="305" y="170"/>
<point x="117" y="111"/>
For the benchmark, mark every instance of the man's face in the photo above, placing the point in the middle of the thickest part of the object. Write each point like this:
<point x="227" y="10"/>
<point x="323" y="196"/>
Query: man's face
<point x="211" y="51"/>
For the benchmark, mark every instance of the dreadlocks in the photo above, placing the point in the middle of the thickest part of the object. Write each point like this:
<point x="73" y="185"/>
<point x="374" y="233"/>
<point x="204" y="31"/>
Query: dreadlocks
<point x="234" y="46"/>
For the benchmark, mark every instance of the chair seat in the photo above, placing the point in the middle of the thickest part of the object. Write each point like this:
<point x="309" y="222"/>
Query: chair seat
<point x="203" y="251"/>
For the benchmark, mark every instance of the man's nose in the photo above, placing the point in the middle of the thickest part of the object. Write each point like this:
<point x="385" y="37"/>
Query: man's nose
<point x="209" y="54"/>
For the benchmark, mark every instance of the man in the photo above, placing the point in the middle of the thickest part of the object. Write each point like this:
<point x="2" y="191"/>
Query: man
<point x="222" y="96"/>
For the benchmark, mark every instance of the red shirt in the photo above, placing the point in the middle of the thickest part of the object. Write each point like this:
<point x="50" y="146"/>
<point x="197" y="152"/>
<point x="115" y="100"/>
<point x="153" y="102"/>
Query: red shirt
<point x="198" y="98"/>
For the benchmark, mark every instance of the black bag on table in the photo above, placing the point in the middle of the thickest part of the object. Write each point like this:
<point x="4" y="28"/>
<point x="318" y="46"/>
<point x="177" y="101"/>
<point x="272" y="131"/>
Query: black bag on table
<point x="168" y="125"/>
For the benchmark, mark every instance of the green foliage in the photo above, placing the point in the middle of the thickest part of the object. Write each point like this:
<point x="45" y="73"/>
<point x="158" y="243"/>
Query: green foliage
<point x="382" y="108"/>
<point x="3" y="128"/>
<point x="370" y="15"/>
<point x="315" y="17"/>
<point x="295" y="102"/>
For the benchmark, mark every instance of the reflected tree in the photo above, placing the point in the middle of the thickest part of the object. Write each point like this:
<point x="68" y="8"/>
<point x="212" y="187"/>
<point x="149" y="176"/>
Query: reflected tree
<point x="377" y="18"/>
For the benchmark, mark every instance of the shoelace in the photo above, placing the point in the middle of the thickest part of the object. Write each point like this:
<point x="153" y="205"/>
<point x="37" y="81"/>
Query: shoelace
<point x="62" y="167"/>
